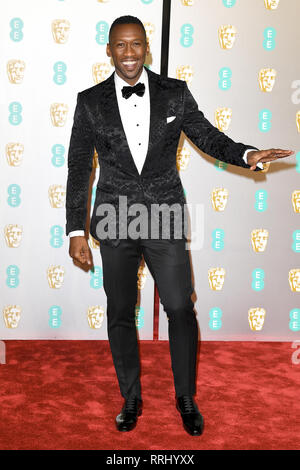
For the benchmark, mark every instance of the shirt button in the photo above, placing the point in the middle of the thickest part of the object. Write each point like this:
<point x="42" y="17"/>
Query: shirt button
<point x="137" y="124"/>
<point x="140" y="144"/>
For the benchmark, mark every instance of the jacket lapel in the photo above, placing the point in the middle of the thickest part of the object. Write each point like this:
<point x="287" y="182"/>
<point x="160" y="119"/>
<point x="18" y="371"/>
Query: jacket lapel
<point x="114" y="124"/>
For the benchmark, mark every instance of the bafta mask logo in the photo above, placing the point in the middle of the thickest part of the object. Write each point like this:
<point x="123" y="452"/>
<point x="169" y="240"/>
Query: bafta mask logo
<point x="55" y="276"/>
<point x="185" y="72"/>
<point x="227" y="35"/>
<point x="294" y="280"/>
<point x="94" y="244"/>
<point x="259" y="238"/>
<point x="219" y="199"/>
<point x="298" y="120"/>
<point x="60" y="31"/>
<point x="271" y="4"/>
<point x="12" y="315"/>
<point x="58" y="112"/>
<point x="216" y="278"/>
<point x="256" y="318"/>
<point x="149" y="28"/>
<point x="266" y="167"/>
<point x="57" y="193"/>
<point x="100" y="71"/>
<point x="182" y="158"/>
<point x="13" y="235"/>
<point x="15" y="71"/>
<point x="296" y="201"/>
<point x="188" y="3"/>
<point x="266" y="79"/>
<point x="14" y="153"/>
<point x="95" y="315"/>
<point x="142" y="276"/>
<point x="223" y="118"/>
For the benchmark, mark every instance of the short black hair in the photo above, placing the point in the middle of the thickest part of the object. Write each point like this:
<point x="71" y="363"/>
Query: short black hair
<point x="127" y="19"/>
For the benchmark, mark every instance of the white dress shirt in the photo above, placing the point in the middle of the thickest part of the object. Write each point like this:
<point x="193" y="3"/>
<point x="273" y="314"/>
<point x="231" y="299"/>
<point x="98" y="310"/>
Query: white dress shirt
<point x="135" y="117"/>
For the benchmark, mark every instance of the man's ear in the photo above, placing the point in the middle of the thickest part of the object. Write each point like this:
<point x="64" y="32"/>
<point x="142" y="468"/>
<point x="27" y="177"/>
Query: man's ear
<point x="108" y="53"/>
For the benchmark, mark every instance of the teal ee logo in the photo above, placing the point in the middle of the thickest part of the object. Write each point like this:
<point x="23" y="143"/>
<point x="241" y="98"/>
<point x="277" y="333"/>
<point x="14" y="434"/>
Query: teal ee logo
<point x="261" y="196"/>
<point x="225" y="75"/>
<point x="94" y="189"/>
<point x="16" y="33"/>
<point x="218" y="239"/>
<point x="265" y="116"/>
<point x="221" y="166"/>
<point x="14" y="191"/>
<point x="12" y="279"/>
<point x="298" y="162"/>
<point x="102" y="29"/>
<point x="186" y="39"/>
<point x="96" y="281"/>
<point x="296" y="241"/>
<point x="269" y="39"/>
<point x="58" y="155"/>
<point x="54" y="316"/>
<point x="215" y="321"/>
<point x="258" y="276"/>
<point x="229" y="3"/>
<point x="147" y="2"/>
<point x="294" y="323"/>
<point x="139" y="317"/>
<point x="56" y="232"/>
<point x="15" y="110"/>
<point x="59" y="76"/>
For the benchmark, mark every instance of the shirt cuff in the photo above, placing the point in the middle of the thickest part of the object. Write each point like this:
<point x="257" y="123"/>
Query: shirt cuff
<point x="76" y="233"/>
<point x="260" y="165"/>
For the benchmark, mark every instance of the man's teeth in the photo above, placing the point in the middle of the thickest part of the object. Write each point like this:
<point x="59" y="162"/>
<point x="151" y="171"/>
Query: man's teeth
<point x="130" y="62"/>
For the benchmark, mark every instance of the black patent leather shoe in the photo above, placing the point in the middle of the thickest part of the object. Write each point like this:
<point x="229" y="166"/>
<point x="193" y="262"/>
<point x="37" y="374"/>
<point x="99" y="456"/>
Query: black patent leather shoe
<point x="127" y="419"/>
<point x="192" y="419"/>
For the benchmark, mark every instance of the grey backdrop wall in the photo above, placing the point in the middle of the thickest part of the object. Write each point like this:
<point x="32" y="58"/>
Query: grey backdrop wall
<point x="222" y="48"/>
<point x="50" y="51"/>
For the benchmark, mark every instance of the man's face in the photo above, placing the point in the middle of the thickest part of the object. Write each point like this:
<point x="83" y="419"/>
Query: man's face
<point x="128" y="48"/>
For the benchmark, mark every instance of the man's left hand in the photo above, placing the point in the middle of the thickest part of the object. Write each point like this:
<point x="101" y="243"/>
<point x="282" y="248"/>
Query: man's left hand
<point x="264" y="156"/>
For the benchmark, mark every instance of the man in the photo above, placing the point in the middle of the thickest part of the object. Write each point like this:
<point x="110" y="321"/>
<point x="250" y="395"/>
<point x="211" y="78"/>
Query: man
<point x="134" y="119"/>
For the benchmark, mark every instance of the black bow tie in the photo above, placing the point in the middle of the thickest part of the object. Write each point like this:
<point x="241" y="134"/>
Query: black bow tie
<point x="127" y="91"/>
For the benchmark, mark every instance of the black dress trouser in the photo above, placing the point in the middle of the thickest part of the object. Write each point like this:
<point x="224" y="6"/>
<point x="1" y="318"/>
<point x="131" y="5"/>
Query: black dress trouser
<point x="169" y="265"/>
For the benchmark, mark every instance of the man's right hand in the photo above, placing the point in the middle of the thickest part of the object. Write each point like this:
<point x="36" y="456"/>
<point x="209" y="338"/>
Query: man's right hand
<point x="80" y="251"/>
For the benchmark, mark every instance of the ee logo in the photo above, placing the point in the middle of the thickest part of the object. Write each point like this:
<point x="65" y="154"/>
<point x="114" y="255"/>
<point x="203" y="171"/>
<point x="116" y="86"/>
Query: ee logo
<point x="229" y="3"/>
<point x="102" y="33"/>
<point x="215" y="321"/>
<point x="261" y="200"/>
<point x="294" y="324"/>
<point x="187" y="31"/>
<point x="264" y="120"/>
<point x="296" y="241"/>
<point x="298" y="162"/>
<point x="225" y="75"/>
<point x="59" y="76"/>
<point x="56" y="232"/>
<point x="139" y="317"/>
<point x="58" y="155"/>
<point x="218" y="239"/>
<point x="12" y="279"/>
<point x="15" y="110"/>
<point x="258" y="276"/>
<point x="16" y="33"/>
<point x="96" y="281"/>
<point x="54" y="316"/>
<point x="269" y="39"/>
<point x="14" y="191"/>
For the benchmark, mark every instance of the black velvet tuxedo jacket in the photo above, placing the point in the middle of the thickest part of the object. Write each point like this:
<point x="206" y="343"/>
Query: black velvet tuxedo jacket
<point x="97" y="124"/>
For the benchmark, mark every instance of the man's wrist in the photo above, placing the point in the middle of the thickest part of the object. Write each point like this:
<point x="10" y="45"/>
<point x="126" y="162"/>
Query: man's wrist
<point x="77" y="233"/>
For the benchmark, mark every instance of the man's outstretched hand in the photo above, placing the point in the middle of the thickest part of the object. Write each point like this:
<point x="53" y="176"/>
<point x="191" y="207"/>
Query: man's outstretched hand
<point x="80" y="251"/>
<point x="264" y="156"/>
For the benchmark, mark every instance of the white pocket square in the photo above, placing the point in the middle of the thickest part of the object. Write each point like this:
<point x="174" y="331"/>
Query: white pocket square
<point x="170" y="119"/>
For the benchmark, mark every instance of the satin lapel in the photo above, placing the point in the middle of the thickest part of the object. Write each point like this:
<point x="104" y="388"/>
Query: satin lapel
<point x="114" y="126"/>
<point x="157" y="115"/>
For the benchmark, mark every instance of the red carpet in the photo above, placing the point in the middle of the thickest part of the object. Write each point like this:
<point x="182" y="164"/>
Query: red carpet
<point x="64" y="395"/>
